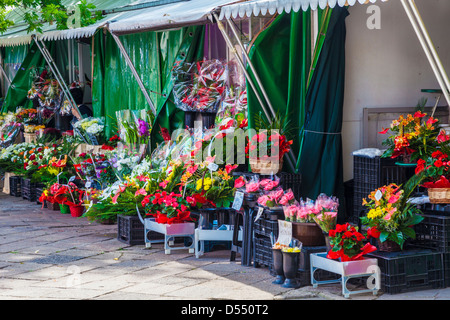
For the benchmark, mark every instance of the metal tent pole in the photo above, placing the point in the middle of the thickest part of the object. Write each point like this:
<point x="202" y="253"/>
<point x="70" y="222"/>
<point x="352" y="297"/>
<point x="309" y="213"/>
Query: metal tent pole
<point x="51" y="63"/>
<point x="5" y="75"/>
<point x="241" y="63"/>
<point x="258" y="80"/>
<point x="427" y="50"/>
<point x="249" y="80"/>
<point x="430" y="43"/>
<point x="133" y="70"/>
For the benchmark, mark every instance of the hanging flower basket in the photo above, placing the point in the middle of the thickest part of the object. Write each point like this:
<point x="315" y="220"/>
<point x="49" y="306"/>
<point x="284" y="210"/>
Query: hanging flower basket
<point x="439" y="195"/>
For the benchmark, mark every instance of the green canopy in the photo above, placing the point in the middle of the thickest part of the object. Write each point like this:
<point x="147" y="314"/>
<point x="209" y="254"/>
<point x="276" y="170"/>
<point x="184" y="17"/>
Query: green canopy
<point x="153" y="55"/>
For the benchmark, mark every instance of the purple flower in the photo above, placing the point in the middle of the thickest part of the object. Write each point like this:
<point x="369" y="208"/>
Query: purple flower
<point x="143" y="128"/>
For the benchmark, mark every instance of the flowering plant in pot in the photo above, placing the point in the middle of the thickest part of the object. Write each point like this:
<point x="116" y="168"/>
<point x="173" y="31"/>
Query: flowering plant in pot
<point x="167" y="207"/>
<point x="348" y="244"/>
<point x="268" y="144"/>
<point x="435" y="174"/>
<point x="413" y="137"/>
<point x="391" y="217"/>
<point x="74" y="200"/>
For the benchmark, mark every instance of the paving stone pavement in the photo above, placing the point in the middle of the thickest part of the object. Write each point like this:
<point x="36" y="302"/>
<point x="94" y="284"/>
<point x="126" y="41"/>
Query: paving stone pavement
<point x="46" y="255"/>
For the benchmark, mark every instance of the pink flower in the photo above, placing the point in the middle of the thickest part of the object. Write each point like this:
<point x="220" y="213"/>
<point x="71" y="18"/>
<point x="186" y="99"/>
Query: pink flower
<point x="163" y="184"/>
<point x="270" y="185"/>
<point x="264" y="182"/>
<point x="263" y="200"/>
<point x="142" y="178"/>
<point x="140" y="191"/>
<point x="252" y="187"/>
<point x="239" y="182"/>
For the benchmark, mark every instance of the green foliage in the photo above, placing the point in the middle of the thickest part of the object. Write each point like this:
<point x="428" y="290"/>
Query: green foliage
<point x="39" y="12"/>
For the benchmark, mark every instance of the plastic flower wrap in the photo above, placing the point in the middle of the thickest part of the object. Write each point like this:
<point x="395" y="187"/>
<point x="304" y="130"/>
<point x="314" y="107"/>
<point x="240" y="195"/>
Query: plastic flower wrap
<point x="91" y="129"/>
<point x="135" y="126"/>
<point x="199" y="87"/>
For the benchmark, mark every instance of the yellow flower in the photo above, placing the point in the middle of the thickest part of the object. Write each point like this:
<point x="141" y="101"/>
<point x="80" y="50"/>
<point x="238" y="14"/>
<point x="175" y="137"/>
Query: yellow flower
<point x="375" y="213"/>
<point x="206" y="183"/>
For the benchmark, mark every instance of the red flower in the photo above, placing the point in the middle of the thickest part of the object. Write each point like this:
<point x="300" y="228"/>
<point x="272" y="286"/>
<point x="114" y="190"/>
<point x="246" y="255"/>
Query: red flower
<point x="384" y="131"/>
<point x="373" y="233"/>
<point x="239" y="183"/>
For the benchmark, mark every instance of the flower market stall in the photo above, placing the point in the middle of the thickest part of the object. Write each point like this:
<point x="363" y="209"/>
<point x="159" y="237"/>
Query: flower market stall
<point x="191" y="149"/>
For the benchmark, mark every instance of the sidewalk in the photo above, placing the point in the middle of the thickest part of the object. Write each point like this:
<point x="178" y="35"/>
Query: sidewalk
<point x="48" y="255"/>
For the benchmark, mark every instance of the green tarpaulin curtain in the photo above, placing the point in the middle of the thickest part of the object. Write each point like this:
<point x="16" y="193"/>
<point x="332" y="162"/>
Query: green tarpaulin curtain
<point x="320" y="161"/>
<point x="21" y="84"/>
<point x="33" y="58"/>
<point x="153" y="55"/>
<point x="281" y="56"/>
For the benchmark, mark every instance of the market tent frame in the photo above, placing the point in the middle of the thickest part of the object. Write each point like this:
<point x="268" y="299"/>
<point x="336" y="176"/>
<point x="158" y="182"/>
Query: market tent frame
<point x="138" y="16"/>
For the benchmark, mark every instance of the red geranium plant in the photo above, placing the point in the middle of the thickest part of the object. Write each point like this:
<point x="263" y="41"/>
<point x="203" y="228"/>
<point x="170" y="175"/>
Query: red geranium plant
<point x="435" y="170"/>
<point x="167" y="207"/>
<point x="348" y="244"/>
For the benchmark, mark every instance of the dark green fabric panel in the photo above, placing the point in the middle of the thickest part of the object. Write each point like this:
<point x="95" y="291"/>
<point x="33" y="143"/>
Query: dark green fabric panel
<point x="153" y="55"/>
<point x="281" y="56"/>
<point x="21" y="84"/>
<point x="321" y="157"/>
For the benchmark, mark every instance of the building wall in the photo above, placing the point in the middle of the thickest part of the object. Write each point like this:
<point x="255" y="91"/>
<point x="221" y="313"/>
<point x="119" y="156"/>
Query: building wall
<point x="387" y="67"/>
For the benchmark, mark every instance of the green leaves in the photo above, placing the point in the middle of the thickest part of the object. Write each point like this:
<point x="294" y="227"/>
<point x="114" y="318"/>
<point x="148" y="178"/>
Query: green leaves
<point x="39" y="12"/>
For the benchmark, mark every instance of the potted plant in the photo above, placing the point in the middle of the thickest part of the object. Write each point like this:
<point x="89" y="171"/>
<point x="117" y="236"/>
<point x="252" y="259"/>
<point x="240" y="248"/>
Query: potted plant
<point x="277" y="258"/>
<point x="391" y="217"/>
<point x="413" y="137"/>
<point x="74" y="200"/>
<point x="348" y="244"/>
<point x="268" y="145"/>
<point x="434" y="172"/>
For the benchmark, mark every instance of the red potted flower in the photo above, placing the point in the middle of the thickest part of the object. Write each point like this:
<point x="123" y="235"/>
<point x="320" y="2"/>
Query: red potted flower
<point x="347" y="244"/>
<point x="74" y="200"/>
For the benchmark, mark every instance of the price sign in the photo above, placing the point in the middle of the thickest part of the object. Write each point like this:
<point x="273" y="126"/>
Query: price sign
<point x="284" y="232"/>
<point x="258" y="215"/>
<point x="213" y="166"/>
<point x="238" y="200"/>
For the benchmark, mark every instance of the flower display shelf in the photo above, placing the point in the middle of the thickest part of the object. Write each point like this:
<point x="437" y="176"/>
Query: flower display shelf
<point x="347" y="270"/>
<point x="170" y="232"/>
<point x="204" y="232"/>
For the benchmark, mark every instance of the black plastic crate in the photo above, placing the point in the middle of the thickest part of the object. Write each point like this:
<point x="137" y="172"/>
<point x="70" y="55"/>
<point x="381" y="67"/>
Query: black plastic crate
<point x="446" y="258"/>
<point x="262" y="252"/>
<point x="15" y="186"/>
<point x="291" y="181"/>
<point x="372" y="173"/>
<point x="265" y="227"/>
<point x="410" y="270"/>
<point x="130" y="230"/>
<point x="220" y="215"/>
<point x="433" y="233"/>
<point x="28" y="189"/>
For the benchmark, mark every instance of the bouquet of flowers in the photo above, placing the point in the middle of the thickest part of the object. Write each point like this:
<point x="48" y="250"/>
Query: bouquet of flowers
<point x="391" y="217"/>
<point x="327" y="217"/>
<point x="348" y="244"/>
<point x="91" y="129"/>
<point x="199" y="87"/>
<point x="27" y="116"/>
<point x="412" y="137"/>
<point x="434" y="170"/>
<point x="134" y="127"/>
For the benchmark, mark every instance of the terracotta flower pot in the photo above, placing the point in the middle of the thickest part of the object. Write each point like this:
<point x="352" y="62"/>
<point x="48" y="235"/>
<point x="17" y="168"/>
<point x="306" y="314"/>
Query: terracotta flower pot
<point x="76" y="211"/>
<point x="278" y="266"/>
<point x="309" y="234"/>
<point x="290" y="268"/>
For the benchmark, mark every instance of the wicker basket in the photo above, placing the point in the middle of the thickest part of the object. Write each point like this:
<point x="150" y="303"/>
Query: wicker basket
<point x="266" y="167"/>
<point x="439" y="195"/>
